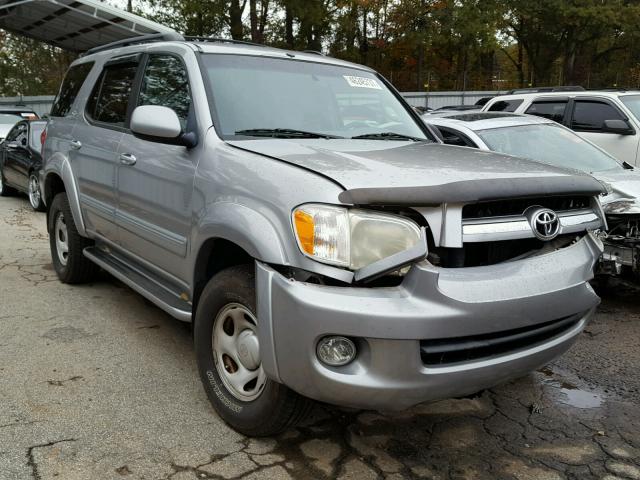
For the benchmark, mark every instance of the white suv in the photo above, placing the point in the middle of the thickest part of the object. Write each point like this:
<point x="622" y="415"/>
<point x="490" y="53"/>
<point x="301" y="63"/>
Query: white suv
<point x="610" y="119"/>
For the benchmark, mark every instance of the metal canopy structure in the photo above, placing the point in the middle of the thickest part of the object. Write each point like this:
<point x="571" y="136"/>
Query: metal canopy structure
<point x="74" y="25"/>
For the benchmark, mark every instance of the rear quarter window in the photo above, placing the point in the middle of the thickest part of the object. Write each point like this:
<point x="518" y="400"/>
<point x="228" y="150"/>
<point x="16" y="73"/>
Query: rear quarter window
<point x="71" y="85"/>
<point x="505" y="106"/>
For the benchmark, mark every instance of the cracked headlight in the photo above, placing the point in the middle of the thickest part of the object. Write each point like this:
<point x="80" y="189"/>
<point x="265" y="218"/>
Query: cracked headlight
<point x="351" y="238"/>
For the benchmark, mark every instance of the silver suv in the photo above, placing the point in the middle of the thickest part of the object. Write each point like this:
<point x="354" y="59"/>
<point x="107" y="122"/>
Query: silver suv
<point x="320" y="239"/>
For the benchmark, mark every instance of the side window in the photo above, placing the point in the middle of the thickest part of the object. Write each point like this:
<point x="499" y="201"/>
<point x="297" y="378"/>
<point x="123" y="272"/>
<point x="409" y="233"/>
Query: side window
<point x="110" y="97"/>
<point x="165" y="83"/>
<point x="73" y="80"/>
<point x="17" y="133"/>
<point x="551" y="110"/>
<point x="589" y="116"/>
<point x="505" y="106"/>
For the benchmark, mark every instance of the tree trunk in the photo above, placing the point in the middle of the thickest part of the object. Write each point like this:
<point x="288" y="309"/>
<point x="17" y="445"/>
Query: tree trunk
<point x="235" y="19"/>
<point x="364" y="44"/>
<point x="288" y="26"/>
<point x="253" y="20"/>
<point x="520" y="66"/>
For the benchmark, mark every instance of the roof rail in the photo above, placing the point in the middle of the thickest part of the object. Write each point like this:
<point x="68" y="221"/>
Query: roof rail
<point x="154" y="37"/>
<point x="194" y="38"/>
<point x="614" y="89"/>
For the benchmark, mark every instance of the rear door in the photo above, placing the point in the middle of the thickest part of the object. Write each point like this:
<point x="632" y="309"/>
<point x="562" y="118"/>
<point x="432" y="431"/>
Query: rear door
<point x="96" y="140"/>
<point x="155" y="180"/>
<point x="587" y="117"/>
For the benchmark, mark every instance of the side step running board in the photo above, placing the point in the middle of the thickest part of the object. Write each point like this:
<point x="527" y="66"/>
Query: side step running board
<point x="144" y="285"/>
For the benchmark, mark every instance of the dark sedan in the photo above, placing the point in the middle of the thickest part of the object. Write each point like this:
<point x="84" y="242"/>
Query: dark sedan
<point x="20" y="161"/>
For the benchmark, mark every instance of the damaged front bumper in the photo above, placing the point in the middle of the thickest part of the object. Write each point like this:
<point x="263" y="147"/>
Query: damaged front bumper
<point x="441" y="333"/>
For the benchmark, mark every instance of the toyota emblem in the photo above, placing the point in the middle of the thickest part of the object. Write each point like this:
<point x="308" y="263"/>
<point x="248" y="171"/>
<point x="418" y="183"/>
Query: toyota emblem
<point x="544" y="222"/>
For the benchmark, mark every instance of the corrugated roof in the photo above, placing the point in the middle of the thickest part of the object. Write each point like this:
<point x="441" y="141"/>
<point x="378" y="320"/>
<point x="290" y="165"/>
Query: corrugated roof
<point x="74" y="25"/>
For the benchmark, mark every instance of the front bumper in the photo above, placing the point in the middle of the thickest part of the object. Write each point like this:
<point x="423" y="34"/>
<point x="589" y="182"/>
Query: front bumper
<point x="388" y="325"/>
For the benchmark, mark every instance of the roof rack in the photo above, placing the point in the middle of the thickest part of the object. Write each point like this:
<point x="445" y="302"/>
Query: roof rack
<point x="315" y="52"/>
<point x="154" y="37"/>
<point x="194" y="38"/>
<point x="559" y="88"/>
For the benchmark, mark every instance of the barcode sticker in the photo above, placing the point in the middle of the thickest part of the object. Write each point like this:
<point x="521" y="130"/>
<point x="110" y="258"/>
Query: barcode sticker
<point x="362" y="82"/>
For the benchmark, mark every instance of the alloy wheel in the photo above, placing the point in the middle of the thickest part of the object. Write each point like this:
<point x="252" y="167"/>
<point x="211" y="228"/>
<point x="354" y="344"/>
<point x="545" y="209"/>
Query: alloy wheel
<point x="34" y="192"/>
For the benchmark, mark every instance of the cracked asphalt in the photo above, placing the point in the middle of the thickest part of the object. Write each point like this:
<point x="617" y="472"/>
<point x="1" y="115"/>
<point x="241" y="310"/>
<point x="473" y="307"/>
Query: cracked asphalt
<point x="96" y="383"/>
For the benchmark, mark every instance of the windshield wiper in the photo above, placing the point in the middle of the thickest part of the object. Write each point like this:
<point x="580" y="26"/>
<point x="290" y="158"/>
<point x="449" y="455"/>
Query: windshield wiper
<point x="388" y="136"/>
<point x="283" y="133"/>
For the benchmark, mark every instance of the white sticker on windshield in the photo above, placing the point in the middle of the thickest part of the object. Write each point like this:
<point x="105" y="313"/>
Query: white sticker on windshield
<point x="362" y="82"/>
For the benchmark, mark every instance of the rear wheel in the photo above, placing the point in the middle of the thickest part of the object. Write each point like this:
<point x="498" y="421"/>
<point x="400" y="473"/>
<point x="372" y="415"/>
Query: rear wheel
<point x="35" y="199"/>
<point x="67" y="244"/>
<point x="228" y="355"/>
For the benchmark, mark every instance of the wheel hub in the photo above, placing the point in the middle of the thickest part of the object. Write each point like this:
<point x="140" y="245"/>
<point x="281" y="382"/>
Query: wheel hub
<point x="248" y="349"/>
<point x="62" y="239"/>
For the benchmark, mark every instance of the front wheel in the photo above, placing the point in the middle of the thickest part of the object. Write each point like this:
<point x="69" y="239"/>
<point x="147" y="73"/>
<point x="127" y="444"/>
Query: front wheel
<point x="35" y="198"/>
<point x="228" y="354"/>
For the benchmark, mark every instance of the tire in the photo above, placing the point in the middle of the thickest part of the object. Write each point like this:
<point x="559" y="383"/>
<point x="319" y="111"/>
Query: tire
<point x="71" y="266"/>
<point x="4" y="190"/>
<point x="269" y="407"/>
<point x="33" y="191"/>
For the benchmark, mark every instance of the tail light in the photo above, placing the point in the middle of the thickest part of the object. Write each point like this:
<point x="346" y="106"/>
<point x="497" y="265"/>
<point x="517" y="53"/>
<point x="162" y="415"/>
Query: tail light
<point x="43" y="138"/>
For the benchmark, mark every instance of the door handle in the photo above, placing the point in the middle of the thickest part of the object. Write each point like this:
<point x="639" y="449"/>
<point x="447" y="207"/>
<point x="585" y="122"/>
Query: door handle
<point x="128" y="159"/>
<point x="76" y="145"/>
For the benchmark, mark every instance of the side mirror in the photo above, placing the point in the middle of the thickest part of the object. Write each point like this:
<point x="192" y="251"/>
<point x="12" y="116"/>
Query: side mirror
<point x="159" y="124"/>
<point x="621" y="127"/>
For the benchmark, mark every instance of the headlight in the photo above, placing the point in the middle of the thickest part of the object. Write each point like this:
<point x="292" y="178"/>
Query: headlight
<point x="621" y="207"/>
<point x="351" y="238"/>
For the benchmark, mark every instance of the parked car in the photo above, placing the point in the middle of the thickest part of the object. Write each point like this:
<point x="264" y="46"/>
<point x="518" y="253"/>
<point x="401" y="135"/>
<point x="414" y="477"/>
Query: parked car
<point x="546" y="141"/>
<point x="21" y="160"/>
<point x="9" y="116"/>
<point x="353" y="261"/>
<point x="610" y="119"/>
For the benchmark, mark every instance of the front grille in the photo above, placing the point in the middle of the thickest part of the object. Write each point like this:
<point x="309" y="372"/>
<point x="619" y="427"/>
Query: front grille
<point x="517" y="206"/>
<point x="478" y="347"/>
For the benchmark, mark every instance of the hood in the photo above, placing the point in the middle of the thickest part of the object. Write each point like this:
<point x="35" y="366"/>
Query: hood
<point x="421" y="173"/>
<point x="622" y="185"/>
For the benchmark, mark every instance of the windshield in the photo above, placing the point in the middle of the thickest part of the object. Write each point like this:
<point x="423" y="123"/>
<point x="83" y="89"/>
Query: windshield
<point x="550" y="144"/>
<point x="257" y="96"/>
<point x="9" y="118"/>
<point x="632" y="102"/>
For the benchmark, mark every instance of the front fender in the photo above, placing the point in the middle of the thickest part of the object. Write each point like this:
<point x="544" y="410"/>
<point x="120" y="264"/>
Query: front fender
<point x="59" y="165"/>
<point x="243" y="226"/>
